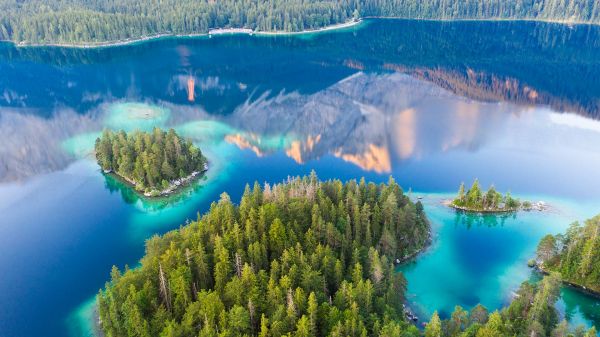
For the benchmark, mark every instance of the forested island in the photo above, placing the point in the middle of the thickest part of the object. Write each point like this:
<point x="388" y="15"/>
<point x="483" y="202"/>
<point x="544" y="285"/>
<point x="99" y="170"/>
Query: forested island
<point x="575" y="255"/>
<point x="492" y="201"/>
<point x="300" y="258"/>
<point x="155" y="163"/>
<point x="532" y="312"/>
<point x="80" y="22"/>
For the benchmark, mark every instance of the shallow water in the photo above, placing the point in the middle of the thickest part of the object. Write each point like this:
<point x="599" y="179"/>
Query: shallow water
<point x="483" y="258"/>
<point x="431" y="103"/>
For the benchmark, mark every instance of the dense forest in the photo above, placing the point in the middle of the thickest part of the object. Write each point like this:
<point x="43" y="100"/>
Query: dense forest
<point x="152" y="161"/>
<point x="575" y="254"/>
<point x="300" y="258"/>
<point x="475" y="199"/>
<point x="85" y="21"/>
<point x="532" y="313"/>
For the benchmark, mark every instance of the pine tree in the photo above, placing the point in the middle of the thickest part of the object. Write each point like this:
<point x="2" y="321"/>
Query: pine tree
<point x="434" y="327"/>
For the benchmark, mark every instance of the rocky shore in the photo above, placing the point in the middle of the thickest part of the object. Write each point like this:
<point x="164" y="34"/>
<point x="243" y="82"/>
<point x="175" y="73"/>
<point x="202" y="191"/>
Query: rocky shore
<point x="174" y="185"/>
<point x="537" y="266"/>
<point x="211" y="32"/>
<point x="537" y="206"/>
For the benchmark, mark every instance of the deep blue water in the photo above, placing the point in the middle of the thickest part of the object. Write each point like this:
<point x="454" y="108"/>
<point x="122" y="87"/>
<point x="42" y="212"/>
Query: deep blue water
<point x="430" y="103"/>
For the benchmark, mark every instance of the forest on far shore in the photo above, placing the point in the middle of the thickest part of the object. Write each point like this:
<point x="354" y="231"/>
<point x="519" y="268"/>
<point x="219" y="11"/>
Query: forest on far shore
<point x="89" y="22"/>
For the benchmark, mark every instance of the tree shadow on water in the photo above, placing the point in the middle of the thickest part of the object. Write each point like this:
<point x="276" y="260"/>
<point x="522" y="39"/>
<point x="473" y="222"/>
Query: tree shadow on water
<point x="130" y="196"/>
<point x="471" y="219"/>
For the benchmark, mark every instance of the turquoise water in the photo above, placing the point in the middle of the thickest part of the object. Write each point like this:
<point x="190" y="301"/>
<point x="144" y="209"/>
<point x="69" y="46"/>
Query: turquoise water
<point x="430" y="103"/>
<point x="483" y="258"/>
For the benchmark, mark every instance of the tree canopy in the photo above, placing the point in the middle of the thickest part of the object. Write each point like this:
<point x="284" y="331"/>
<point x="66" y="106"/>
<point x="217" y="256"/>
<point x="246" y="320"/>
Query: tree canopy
<point x="300" y="258"/>
<point x="83" y="21"/>
<point x="475" y="199"/>
<point x="149" y="160"/>
<point x="532" y="312"/>
<point x="574" y="254"/>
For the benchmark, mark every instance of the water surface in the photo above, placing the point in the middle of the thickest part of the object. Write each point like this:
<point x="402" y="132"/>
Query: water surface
<point x="430" y="103"/>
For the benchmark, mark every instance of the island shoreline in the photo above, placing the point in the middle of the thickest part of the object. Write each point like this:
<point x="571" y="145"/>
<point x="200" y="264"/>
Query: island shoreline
<point x="174" y="189"/>
<point x="411" y="317"/>
<point x="450" y="204"/>
<point x="248" y="31"/>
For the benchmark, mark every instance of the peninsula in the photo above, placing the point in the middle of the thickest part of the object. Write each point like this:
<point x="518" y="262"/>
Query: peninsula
<point x="575" y="255"/>
<point x="312" y="258"/>
<point x="300" y="258"/>
<point x="490" y="201"/>
<point x="532" y="312"/>
<point x="155" y="163"/>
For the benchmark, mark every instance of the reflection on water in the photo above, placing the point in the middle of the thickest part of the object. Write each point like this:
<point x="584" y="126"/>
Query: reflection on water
<point x="469" y="220"/>
<point x="556" y="65"/>
<point x="469" y="263"/>
<point x="369" y="120"/>
<point x="431" y="103"/>
<point x="382" y="123"/>
<point x="572" y="306"/>
<point x="32" y="144"/>
<point x="376" y="96"/>
<point x="373" y="121"/>
<point x="129" y="195"/>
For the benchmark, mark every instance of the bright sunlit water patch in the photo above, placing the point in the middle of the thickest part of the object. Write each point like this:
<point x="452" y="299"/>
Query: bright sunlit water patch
<point x="575" y="121"/>
<point x="277" y="142"/>
<point x="82" y="321"/>
<point x="132" y="116"/>
<point x="118" y="116"/>
<point x="205" y="131"/>
<point x="82" y="145"/>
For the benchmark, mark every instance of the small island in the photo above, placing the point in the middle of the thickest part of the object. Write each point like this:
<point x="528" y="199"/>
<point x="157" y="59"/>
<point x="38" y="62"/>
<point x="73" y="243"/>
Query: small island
<point x="155" y="163"/>
<point x="575" y="255"/>
<point x="492" y="201"/>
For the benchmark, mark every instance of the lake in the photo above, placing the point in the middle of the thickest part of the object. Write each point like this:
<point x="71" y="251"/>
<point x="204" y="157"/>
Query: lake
<point x="433" y="104"/>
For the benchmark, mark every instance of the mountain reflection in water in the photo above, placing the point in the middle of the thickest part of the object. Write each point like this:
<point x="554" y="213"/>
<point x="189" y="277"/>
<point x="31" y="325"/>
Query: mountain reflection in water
<point x="522" y="62"/>
<point x="378" y="122"/>
<point x="514" y="104"/>
<point x="367" y="119"/>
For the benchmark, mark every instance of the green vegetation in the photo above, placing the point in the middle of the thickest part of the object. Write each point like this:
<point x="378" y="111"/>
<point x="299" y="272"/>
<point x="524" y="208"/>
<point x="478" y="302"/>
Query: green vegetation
<point x="302" y="258"/>
<point x="475" y="199"/>
<point x="80" y="21"/>
<point x="575" y="255"/>
<point x="154" y="162"/>
<point x="531" y="313"/>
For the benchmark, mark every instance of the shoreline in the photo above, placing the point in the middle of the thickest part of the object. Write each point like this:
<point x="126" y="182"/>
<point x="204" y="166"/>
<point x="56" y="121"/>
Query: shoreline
<point x="337" y="26"/>
<point x="539" y="208"/>
<point x="173" y="188"/>
<point x="412" y="256"/>
<point x="250" y="32"/>
<point x="578" y="287"/>
<point x="209" y="34"/>
<point x="408" y="313"/>
<point x="561" y="22"/>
